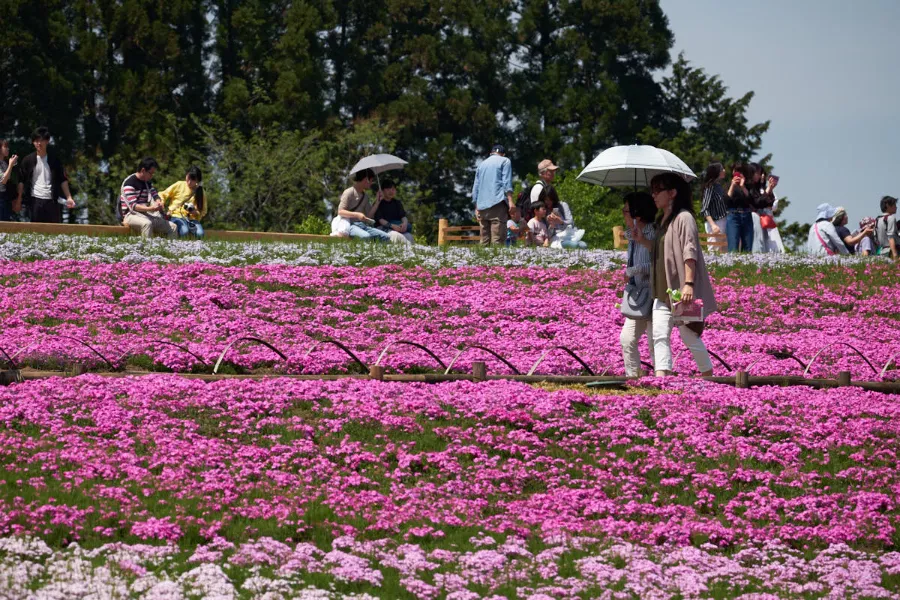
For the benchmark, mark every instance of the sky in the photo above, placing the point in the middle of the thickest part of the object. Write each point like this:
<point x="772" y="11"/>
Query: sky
<point x="826" y="73"/>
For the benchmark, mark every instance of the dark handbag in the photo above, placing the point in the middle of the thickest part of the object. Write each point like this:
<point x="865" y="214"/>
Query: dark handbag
<point x="637" y="303"/>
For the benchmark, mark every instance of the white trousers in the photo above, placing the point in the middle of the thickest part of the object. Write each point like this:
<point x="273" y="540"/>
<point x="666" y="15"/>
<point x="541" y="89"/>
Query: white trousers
<point x="716" y="238"/>
<point x="663" y="323"/>
<point x="631" y="335"/>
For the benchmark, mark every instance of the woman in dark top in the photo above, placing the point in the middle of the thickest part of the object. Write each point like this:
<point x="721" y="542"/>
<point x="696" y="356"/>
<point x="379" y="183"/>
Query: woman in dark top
<point x="390" y="215"/>
<point x="739" y="209"/>
<point x="762" y="197"/>
<point x="713" y="209"/>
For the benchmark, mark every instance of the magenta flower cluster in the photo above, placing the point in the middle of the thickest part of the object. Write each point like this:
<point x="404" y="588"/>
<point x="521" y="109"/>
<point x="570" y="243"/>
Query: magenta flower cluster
<point x="160" y="457"/>
<point x="132" y="314"/>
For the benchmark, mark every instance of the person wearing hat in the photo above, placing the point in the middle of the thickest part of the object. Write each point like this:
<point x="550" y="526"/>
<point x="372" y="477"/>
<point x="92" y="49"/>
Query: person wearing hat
<point x="840" y="220"/>
<point x="823" y="239"/>
<point x="560" y="222"/>
<point x="492" y="194"/>
<point x="866" y="246"/>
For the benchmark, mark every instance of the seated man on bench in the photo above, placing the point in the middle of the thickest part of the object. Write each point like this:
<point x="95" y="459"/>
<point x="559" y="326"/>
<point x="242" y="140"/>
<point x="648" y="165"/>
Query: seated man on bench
<point x="140" y="205"/>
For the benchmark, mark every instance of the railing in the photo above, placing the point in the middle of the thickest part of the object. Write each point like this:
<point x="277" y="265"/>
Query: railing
<point x="710" y="242"/>
<point x="457" y="233"/>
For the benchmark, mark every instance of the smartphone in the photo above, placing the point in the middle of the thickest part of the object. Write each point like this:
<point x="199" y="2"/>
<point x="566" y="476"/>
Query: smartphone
<point x="775" y="177"/>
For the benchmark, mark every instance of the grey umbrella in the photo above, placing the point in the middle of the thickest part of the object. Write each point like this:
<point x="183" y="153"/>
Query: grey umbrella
<point x="379" y="163"/>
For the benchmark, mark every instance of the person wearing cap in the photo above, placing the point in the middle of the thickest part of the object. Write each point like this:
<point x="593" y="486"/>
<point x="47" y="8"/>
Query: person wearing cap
<point x="840" y="220"/>
<point x="492" y="194"/>
<point x="560" y="222"/>
<point x="866" y="246"/>
<point x="823" y="239"/>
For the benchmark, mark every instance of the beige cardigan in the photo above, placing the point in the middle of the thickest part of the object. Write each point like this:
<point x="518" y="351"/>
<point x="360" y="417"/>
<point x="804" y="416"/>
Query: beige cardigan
<point x="682" y="243"/>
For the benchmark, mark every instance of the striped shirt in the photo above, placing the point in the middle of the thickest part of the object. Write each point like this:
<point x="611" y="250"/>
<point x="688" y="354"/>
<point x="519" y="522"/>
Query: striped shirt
<point x="641" y="259"/>
<point x="134" y="191"/>
<point x="713" y="202"/>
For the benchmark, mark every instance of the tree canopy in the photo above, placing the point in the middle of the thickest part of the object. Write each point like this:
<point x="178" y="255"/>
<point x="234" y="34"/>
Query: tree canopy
<point x="276" y="98"/>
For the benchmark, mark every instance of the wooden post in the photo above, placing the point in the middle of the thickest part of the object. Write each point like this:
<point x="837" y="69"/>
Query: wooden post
<point x="442" y="231"/>
<point x="12" y="376"/>
<point x="742" y="380"/>
<point x="479" y="371"/>
<point x="618" y="237"/>
<point x="376" y="372"/>
<point x="843" y="378"/>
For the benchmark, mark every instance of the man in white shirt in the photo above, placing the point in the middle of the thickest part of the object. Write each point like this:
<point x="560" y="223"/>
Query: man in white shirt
<point x="42" y="181"/>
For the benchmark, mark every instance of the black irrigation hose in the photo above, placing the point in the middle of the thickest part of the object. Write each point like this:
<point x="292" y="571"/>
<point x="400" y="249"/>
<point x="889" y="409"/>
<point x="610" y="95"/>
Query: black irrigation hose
<point x="9" y="360"/>
<point x="503" y="360"/>
<point x="718" y="358"/>
<point x="568" y="351"/>
<point x="88" y="346"/>
<point x="185" y="349"/>
<point x="248" y="339"/>
<point x="415" y="344"/>
<point x="819" y="353"/>
<point x="342" y="347"/>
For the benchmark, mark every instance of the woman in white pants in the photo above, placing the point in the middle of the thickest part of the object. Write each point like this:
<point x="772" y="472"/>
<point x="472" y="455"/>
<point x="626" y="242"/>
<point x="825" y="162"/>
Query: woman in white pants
<point x="677" y="263"/>
<point x="640" y="231"/>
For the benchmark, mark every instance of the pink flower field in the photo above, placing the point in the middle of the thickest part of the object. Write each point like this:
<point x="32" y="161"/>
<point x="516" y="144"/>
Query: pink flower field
<point x="160" y="487"/>
<point x="458" y="489"/>
<point x="131" y="314"/>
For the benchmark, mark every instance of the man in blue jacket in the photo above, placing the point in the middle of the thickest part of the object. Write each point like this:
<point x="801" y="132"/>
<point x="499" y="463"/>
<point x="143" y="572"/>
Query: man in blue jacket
<point x="493" y="196"/>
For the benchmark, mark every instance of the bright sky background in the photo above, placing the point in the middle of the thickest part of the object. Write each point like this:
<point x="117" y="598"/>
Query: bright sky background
<point x="826" y="73"/>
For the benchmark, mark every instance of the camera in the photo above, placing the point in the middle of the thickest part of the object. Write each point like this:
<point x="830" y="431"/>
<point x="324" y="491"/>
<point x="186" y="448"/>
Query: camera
<point x="189" y="206"/>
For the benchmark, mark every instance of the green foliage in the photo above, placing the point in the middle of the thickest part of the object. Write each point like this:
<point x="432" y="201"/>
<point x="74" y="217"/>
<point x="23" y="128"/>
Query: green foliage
<point x="276" y="100"/>
<point x="314" y="225"/>
<point x="273" y="179"/>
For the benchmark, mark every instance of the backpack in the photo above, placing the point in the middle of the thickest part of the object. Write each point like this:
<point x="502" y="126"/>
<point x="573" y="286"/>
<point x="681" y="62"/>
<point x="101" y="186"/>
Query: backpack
<point x="523" y="200"/>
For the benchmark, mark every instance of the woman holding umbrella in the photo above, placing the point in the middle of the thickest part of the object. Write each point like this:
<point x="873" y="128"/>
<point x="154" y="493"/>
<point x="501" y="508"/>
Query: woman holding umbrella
<point x="677" y="264"/>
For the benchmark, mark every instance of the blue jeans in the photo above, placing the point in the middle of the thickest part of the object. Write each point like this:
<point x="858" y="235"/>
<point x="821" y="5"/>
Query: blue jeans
<point x="739" y="229"/>
<point x="186" y="226"/>
<point x="362" y="231"/>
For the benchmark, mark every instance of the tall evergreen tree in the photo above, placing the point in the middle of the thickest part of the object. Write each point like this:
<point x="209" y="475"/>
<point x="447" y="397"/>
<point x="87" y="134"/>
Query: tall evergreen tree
<point x="584" y="76"/>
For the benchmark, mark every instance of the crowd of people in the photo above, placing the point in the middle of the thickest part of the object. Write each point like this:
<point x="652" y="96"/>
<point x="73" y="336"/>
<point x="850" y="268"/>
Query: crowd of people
<point x="875" y="236"/>
<point x="740" y="216"/>
<point x="536" y="218"/>
<point x="42" y="190"/>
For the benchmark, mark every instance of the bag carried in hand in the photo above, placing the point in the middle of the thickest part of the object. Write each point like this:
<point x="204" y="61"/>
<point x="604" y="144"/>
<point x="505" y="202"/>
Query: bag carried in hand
<point x="767" y="221"/>
<point x="637" y="303"/>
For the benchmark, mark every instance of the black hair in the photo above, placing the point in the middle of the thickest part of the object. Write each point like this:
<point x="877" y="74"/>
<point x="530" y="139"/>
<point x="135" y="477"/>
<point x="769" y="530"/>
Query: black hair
<point x="682" y="200"/>
<point x="387" y="183"/>
<point x="538" y="204"/>
<point x="365" y="174"/>
<point x="887" y="202"/>
<point x="147" y="164"/>
<point x="194" y="174"/>
<point x="41" y="133"/>
<point x="712" y="174"/>
<point x="641" y="206"/>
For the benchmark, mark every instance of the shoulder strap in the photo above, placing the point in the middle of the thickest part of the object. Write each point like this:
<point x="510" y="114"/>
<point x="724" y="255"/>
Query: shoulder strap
<point x="824" y="245"/>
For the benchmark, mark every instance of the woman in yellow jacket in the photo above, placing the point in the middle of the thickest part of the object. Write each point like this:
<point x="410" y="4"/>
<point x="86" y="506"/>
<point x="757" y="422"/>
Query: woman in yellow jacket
<point x="186" y="204"/>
